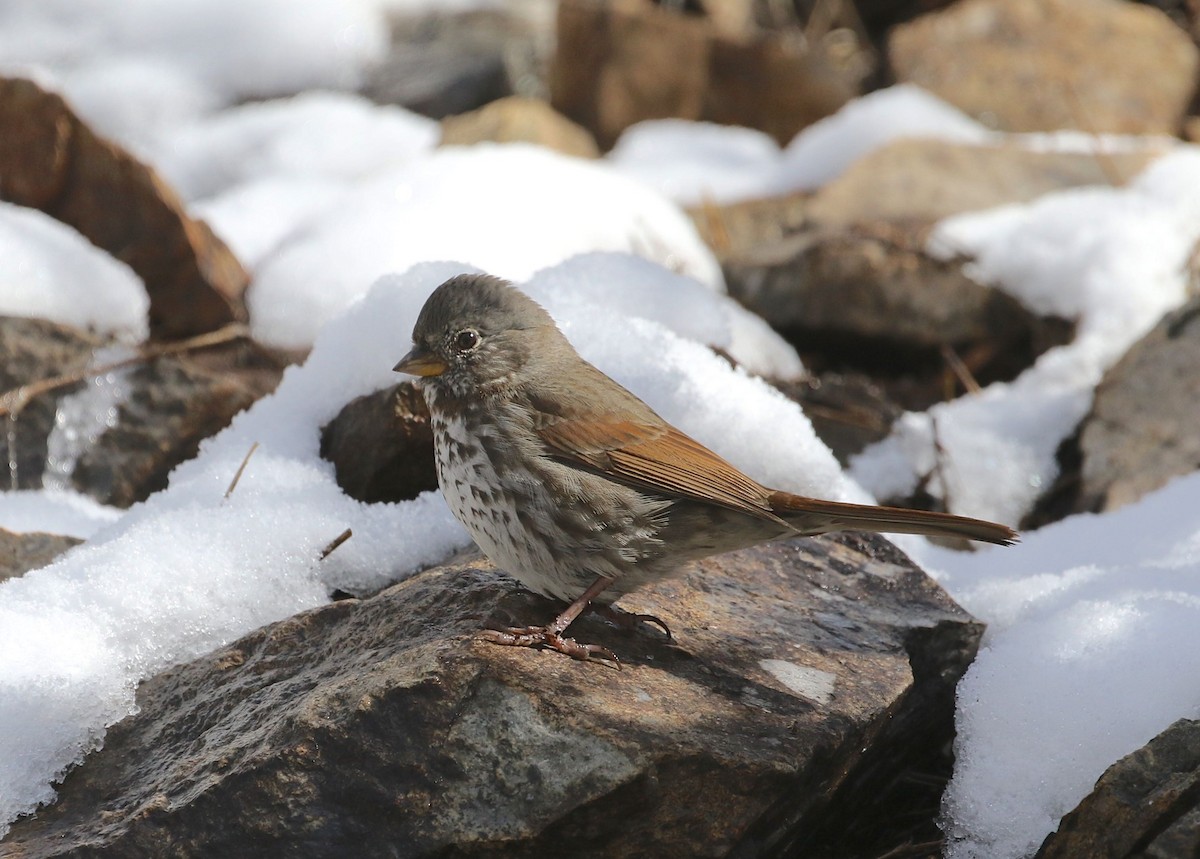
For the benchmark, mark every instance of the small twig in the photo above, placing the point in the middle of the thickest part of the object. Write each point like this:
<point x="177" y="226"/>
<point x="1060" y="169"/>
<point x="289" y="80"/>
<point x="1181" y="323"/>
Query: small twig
<point x="337" y="541"/>
<point x="957" y="366"/>
<point x="238" y="475"/>
<point x="13" y="401"/>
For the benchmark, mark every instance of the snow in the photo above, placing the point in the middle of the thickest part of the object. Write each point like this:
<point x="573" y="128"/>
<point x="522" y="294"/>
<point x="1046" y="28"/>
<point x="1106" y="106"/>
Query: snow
<point x="52" y="272"/>
<point x="694" y="162"/>
<point x="508" y="209"/>
<point x="1094" y="623"/>
<point x="347" y="214"/>
<point x="1112" y="259"/>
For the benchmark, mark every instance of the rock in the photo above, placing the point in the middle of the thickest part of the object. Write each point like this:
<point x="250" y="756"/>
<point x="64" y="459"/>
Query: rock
<point x="871" y="299"/>
<point x="927" y="180"/>
<point x="386" y="727"/>
<point x="732" y="229"/>
<point x="174" y="403"/>
<point x="32" y="350"/>
<point x="1042" y="65"/>
<point x="52" y="161"/>
<point x="381" y="446"/>
<point x="444" y="63"/>
<point x="20" y="553"/>
<point x="848" y="411"/>
<point x="1141" y="430"/>
<point x="519" y="120"/>
<point x="625" y="61"/>
<point x="1147" y="804"/>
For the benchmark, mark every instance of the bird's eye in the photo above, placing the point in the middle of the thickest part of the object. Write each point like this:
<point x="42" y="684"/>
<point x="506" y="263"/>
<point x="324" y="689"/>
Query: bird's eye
<point x="466" y="340"/>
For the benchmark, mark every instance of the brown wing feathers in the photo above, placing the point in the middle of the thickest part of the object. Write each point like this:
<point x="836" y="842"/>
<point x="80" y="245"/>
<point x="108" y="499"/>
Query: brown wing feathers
<point x="662" y="459"/>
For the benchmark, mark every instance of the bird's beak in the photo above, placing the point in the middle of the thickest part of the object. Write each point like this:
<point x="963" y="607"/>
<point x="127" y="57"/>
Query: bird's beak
<point x="421" y="362"/>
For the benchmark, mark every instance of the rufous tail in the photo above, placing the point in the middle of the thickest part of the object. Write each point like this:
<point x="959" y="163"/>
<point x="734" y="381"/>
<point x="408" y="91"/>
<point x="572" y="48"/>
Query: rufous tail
<point x="814" y="516"/>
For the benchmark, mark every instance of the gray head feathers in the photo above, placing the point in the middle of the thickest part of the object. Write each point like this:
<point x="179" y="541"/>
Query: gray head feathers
<point x="481" y="335"/>
<point x="480" y="301"/>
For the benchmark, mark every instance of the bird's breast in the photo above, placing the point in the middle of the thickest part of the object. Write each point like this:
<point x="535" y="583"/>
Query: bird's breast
<point x="552" y="527"/>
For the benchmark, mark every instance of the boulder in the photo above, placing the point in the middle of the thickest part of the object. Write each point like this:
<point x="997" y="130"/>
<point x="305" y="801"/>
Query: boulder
<point x="381" y="445"/>
<point x="52" y="161"/>
<point x="445" y="62"/>
<point x="519" y="120"/>
<point x="927" y="180"/>
<point x="873" y="300"/>
<point x="1146" y="804"/>
<point x="808" y="681"/>
<point x="1141" y="430"/>
<point x="20" y="553"/>
<point x="1042" y="65"/>
<point x="173" y="403"/>
<point x="624" y="61"/>
<point x="32" y="350"/>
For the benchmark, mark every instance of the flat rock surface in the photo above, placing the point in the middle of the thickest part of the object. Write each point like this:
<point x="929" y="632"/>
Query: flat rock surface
<point x="1142" y="429"/>
<point x="1146" y="804"/>
<point x="805" y="678"/>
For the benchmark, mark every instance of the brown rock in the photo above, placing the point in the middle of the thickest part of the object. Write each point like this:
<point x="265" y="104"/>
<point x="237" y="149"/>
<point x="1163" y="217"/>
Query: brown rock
<point x="848" y="411"/>
<point x="625" y="61"/>
<point x="174" y="404"/>
<point x="733" y="229"/>
<point x="20" y="553"/>
<point x="381" y="446"/>
<point x="386" y="727"/>
<point x="871" y="299"/>
<point x="519" y="120"/>
<point x="32" y="350"/>
<point x="927" y="180"/>
<point x="1147" y="804"/>
<point x="51" y="160"/>
<point x="1042" y="65"/>
<point x="1141" y="431"/>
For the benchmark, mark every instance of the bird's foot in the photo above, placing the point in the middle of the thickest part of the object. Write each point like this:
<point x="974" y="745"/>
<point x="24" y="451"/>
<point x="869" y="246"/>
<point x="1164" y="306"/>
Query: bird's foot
<point x="544" y="636"/>
<point x="629" y="621"/>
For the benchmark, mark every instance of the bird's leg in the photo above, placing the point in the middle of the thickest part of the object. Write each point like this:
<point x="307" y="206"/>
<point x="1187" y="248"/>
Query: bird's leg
<point x="628" y="620"/>
<point x="551" y="635"/>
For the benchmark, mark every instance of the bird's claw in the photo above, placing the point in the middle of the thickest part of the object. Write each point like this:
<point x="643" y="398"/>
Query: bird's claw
<point x="629" y="620"/>
<point x="541" y="636"/>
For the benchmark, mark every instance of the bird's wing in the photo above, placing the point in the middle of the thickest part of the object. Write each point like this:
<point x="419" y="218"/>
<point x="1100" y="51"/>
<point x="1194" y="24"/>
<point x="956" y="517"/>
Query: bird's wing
<point x="654" y="457"/>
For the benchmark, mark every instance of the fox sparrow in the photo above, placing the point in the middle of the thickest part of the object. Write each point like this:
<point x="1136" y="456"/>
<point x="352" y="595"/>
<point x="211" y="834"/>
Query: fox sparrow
<point x="576" y="487"/>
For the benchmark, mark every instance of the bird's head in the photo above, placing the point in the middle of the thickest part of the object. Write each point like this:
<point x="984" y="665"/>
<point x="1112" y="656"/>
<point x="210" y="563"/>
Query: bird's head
<point x="475" y="334"/>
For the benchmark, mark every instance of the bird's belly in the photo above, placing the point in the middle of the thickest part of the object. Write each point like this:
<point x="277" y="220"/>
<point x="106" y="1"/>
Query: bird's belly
<point x="525" y="528"/>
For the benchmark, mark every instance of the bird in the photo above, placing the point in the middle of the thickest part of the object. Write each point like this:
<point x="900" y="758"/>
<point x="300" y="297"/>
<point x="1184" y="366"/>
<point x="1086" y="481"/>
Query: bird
<point x="574" y="486"/>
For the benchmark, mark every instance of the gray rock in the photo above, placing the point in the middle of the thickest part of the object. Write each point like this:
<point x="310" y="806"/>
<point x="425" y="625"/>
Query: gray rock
<point x="447" y="63"/>
<point x="848" y="411"/>
<point x="1146" y="805"/>
<point x="20" y="553"/>
<point x="871" y="299"/>
<point x="381" y="446"/>
<point x="806" y="677"/>
<point x="1141" y="431"/>
<point x="174" y="403"/>
<point x="32" y="350"/>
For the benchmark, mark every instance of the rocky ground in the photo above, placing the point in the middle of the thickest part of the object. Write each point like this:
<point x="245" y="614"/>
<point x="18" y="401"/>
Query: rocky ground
<point x="805" y="707"/>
